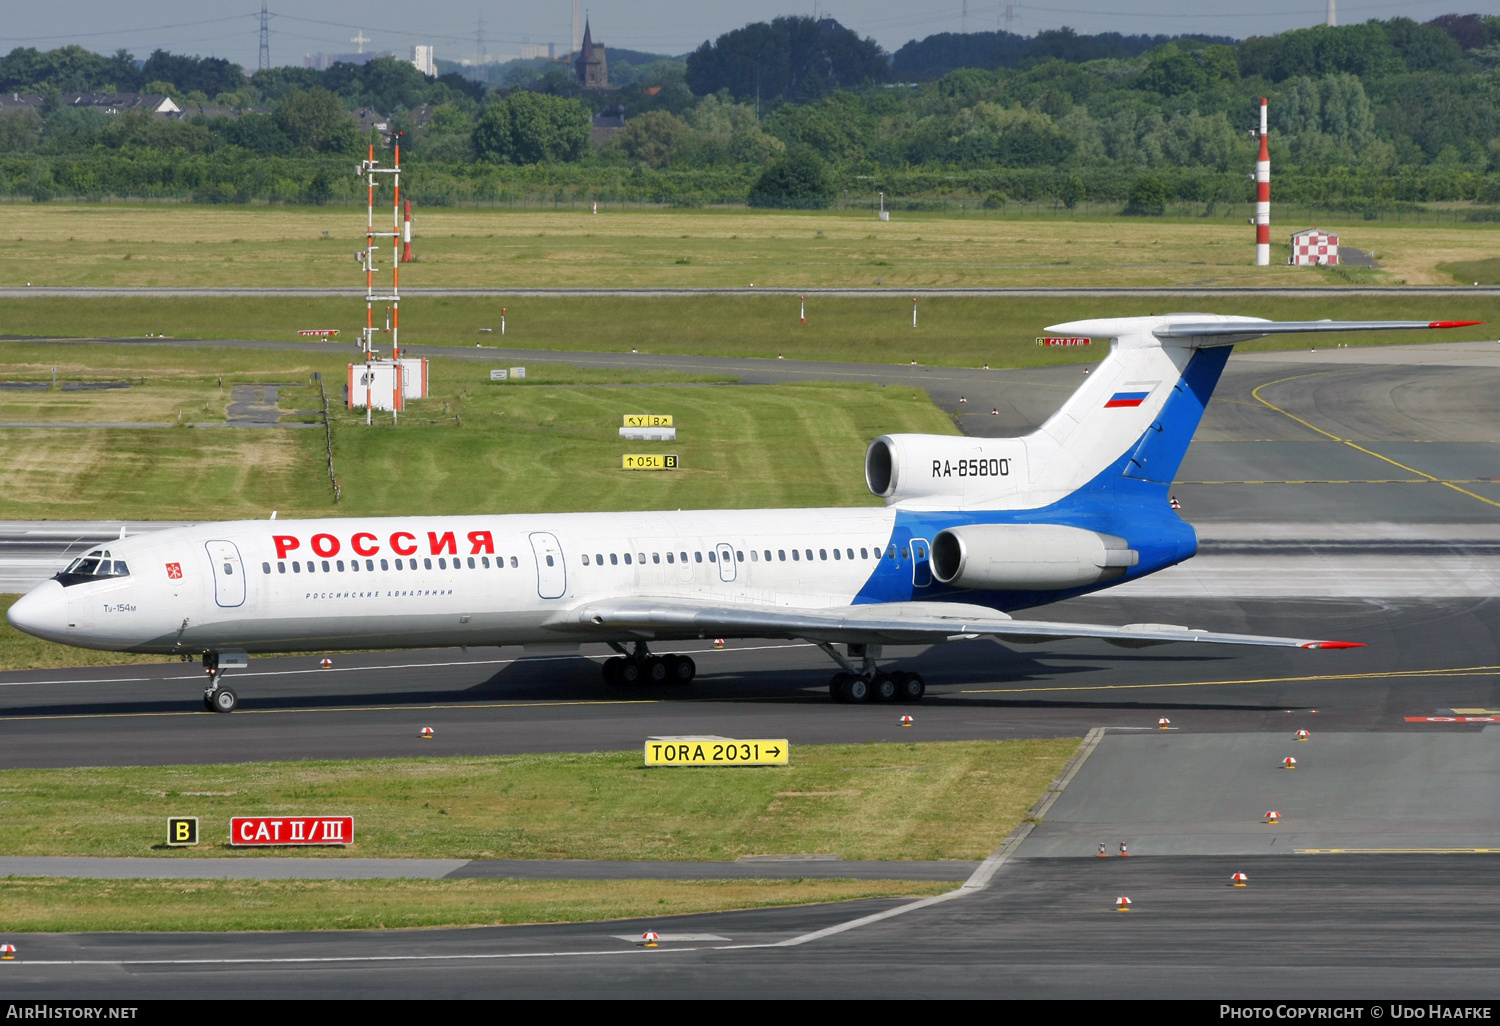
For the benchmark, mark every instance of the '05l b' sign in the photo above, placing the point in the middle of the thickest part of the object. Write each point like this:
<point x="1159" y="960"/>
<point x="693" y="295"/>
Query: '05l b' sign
<point x="265" y="831"/>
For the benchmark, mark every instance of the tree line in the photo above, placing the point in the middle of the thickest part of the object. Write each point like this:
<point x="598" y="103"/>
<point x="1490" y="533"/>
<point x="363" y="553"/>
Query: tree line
<point x="801" y="111"/>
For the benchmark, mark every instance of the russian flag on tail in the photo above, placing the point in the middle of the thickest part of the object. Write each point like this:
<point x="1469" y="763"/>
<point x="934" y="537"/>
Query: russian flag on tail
<point x="1126" y="399"/>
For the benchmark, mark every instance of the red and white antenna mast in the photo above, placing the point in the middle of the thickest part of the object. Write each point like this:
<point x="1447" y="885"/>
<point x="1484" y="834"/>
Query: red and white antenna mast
<point x="1263" y="196"/>
<point x="369" y="169"/>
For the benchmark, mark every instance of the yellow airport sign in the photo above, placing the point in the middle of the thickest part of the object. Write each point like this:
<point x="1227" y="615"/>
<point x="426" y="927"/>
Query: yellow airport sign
<point x="182" y="831"/>
<point x="648" y="420"/>
<point x="716" y="751"/>
<point x="638" y="461"/>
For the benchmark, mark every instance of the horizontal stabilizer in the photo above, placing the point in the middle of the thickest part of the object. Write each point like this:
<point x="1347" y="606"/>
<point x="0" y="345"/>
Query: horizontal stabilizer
<point x="876" y="623"/>
<point x="1254" y="327"/>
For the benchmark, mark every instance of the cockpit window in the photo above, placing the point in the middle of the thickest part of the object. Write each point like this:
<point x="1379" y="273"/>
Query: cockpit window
<point x="94" y="566"/>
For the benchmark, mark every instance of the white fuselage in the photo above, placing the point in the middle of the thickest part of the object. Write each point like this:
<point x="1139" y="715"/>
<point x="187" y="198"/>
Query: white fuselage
<point x="398" y="582"/>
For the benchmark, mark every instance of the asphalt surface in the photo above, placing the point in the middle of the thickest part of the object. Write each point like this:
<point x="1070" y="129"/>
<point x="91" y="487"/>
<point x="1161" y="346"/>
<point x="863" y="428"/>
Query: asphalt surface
<point x="1363" y="469"/>
<point x="1204" y="292"/>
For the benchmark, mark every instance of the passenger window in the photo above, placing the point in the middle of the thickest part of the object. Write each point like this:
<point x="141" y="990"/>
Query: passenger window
<point x="599" y="558"/>
<point x="585" y="559"/>
<point x="768" y="555"/>
<point x="656" y="557"/>
<point x="739" y="556"/>
<point x="341" y="566"/>
<point x="698" y="557"/>
<point x="796" y="555"/>
<point x="754" y="556"/>
<point x="669" y="557"/>
<point x="921" y="551"/>
<point x="296" y="567"/>
<point x="823" y="554"/>
<point x="471" y="562"/>
<point x="427" y="563"/>
<point x="641" y="558"/>
<point x="711" y="557"/>
<point x="549" y="561"/>
<point x="484" y="561"/>
<point x="904" y="553"/>
<point x="513" y="561"/>
<point x="266" y="567"/>
<point x="851" y="553"/>
<point x="326" y="568"/>
<point x="863" y="553"/>
<point x="627" y="559"/>
<point x="281" y="568"/>
<point x="836" y="554"/>
<point x="782" y="554"/>
<point x="443" y="563"/>
<point x="809" y="553"/>
<point x="683" y="555"/>
<point x="353" y="564"/>
<point x="398" y="565"/>
<point x="614" y="560"/>
<point x="370" y="564"/>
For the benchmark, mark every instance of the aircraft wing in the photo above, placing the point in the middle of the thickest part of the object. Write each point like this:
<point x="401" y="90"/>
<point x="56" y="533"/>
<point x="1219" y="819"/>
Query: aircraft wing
<point x="894" y="623"/>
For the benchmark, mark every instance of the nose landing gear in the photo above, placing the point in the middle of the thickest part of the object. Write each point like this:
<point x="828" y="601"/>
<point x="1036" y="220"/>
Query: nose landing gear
<point x="868" y="683"/>
<point x="218" y="697"/>
<point x="641" y="667"/>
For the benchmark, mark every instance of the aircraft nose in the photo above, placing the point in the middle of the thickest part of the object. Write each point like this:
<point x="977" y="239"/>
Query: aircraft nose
<point x="42" y="611"/>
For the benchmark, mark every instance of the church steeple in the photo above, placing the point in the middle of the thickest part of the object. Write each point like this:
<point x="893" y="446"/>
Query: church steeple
<point x="589" y="66"/>
<point x="588" y="40"/>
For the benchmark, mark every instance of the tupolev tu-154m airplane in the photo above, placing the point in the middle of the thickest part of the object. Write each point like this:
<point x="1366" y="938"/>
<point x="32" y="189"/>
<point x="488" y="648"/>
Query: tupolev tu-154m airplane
<point x="973" y="529"/>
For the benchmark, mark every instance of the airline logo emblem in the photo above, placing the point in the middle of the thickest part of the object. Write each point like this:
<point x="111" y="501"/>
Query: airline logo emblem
<point x="1121" y="399"/>
<point x="174" y="571"/>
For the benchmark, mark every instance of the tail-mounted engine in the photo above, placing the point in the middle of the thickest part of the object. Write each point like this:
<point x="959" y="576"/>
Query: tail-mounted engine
<point x="1027" y="557"/>
<point x="946" y="471"/>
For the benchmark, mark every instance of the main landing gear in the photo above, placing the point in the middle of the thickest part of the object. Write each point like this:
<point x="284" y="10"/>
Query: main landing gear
<point x="868" y="683"/>
<point x="219" y="697"/>
<point x="641" y="667"/>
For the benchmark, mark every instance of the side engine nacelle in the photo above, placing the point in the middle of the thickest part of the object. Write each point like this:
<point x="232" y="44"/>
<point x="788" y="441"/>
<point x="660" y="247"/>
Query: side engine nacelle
<point x="946" y="471"/>
<point x="1027" y="557"/>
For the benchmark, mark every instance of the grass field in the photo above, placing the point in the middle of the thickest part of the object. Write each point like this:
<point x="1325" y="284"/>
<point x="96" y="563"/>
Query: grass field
<point x="53" y="905"/>
<point x="549" y="444"/>
<point x="965" y="331"/>
<point x="930" y="800"/>
<point x="89" y="244"/>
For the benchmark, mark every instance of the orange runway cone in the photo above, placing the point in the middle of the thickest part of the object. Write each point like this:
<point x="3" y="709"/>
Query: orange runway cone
<point x="426" y="733"/>
<point x="1122" y="904"/>
<point x="7" y="952"/>
<point x="1163" y="723"/>
<point x="1240" y="879"/>
<point x="1302" y="735"/>
<point x="1288" y="763"/>
<point x="1124" y="852"/>
<point x="1102" y="853"/>
<point x="1273" y="817"/>
<point x="906" y="721"/>
<point x="718" y="643"/>
<point x="649" y="938"/>
<point x="325" y="664"/>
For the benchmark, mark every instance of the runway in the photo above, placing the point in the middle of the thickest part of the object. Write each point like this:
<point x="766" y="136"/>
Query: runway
<point x="441" y="292"/>
<point x="1351" y="491"/>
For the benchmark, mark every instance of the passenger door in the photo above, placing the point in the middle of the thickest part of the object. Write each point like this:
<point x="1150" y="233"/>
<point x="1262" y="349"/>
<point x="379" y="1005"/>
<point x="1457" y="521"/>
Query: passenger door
<point x="921" y="563"/>
<point x="726" y="562"/>
<point x="551" y="574"/>
<point x="229" y="573"/>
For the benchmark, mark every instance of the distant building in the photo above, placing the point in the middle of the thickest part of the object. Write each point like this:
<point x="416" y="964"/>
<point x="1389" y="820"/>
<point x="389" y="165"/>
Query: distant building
<point x="589" y="66"/>
<point x="424" y="59"/>
<point x="1312" y="247"/>
<point x="535" y="51"/>
<point x="324" y="61"/>
<point x="606" y="124"/>
<point x="115" y="103"/>
<point x="16" y="101"/>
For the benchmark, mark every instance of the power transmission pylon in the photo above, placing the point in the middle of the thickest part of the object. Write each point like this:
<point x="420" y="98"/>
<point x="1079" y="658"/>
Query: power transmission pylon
<point x="265" y="37"/>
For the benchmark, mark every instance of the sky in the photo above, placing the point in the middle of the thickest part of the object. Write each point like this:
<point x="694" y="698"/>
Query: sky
<point x="230" y="28"/>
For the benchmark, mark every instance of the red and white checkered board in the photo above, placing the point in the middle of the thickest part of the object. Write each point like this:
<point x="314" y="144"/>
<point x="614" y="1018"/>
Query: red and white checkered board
<point x="1315" y="247"/>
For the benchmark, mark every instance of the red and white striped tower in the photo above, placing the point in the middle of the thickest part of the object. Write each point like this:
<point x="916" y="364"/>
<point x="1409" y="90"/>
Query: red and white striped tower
<point x="1263" y="196"/>
<point x="406" y="243"/>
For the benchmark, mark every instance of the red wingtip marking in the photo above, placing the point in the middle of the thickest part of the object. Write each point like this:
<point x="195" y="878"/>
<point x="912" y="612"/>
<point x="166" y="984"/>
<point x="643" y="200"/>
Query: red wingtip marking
<point x="1452" y="324"/>
<point x="1334" y="644"/>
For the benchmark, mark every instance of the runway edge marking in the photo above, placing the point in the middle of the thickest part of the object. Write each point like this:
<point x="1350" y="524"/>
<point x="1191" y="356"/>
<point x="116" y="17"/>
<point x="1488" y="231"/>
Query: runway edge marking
<point x="980" y="878"/>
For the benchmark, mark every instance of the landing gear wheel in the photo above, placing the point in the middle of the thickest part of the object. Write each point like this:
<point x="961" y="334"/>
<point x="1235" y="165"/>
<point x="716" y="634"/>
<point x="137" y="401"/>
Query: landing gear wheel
<point x="680" y="669"/>
<point x="656" y="670"/>
<point x="884" y="688"/>
<point x="630" y="671"/>
<point x="225" y="700"/>
<point x="856" y="689"/>
<point x="838" y="687"/>
<point x="611" y="671"/>
<point x="910" y="687"/>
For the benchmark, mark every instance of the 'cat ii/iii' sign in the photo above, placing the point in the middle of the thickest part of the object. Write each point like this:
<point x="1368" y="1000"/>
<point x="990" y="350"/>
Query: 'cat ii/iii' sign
<point x="266" y="831"/>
